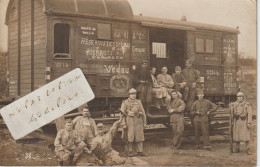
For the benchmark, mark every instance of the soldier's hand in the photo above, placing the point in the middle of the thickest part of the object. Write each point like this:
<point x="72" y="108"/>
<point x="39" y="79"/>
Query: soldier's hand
<point x="145" y="126"/>
<point x="194" y="85"/>
<point x="249" y="126"/>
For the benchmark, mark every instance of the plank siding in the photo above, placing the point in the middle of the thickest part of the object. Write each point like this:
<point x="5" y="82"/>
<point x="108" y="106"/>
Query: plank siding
<point x="13" y="58"/>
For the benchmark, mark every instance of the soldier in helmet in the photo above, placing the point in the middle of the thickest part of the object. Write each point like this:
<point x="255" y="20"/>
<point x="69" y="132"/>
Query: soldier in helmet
<point x="200" y="110"/>
<point x="101" y="145"/>
<point x="241" y="114"/>
<point x="191" y="77"/>
<point x="135" y="123"/>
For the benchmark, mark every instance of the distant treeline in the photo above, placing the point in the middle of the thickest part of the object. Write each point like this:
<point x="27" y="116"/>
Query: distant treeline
<point x="247" y="62"/>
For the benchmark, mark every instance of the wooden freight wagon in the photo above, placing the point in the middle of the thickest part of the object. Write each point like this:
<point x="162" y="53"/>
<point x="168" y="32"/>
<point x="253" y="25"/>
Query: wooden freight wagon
<point x="48" y="38"/>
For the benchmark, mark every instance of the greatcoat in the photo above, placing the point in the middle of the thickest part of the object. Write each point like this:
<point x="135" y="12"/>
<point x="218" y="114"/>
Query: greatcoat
<point x="135" y="120"/>
<point x="241" y="114"/>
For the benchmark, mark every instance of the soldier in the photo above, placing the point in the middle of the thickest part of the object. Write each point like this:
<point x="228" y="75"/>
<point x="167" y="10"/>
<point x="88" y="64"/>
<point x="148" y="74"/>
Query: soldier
<point x="241" y="114"/>
<point x="165" y="80"/>
<point x="85" y="126"/>
<point x="68" y="144"/>
<point x="200" y="109"/>
<point x="176" y="110"/>
<point x="191" y="77"/>
<point x="180" y="83"/>
<point x="143" y="82"/>
<point x="135" y="123"/>
<point x="159" y="91"/>
<point x="101" y="145"/>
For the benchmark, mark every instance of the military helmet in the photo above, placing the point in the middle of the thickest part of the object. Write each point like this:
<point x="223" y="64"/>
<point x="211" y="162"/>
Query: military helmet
<point x="144" y="61"/>
<point x="188" y="61"/>
<point x="132" y="91"/>
<point x="100" y="125"/>
<point x="200" y="92"/>
<point x="240" y="94"/>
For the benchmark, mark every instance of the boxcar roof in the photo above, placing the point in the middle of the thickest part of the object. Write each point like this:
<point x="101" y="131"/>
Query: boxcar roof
<point x="101" y="8"/>
<point x="120" y="9"/>
<point x="182" y="25"/>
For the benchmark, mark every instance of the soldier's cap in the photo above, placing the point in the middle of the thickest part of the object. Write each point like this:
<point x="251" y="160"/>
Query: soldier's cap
<point x="188" y="61"/>
<point x="144" y="61"/>
<point x="68" y="121"/>
<point x="240" y="94"/>
<point x="132" y="91"/>
<point x="177" y="68"/>
<point x="85" y="109"/>
<point x="100" y="125"/>
<point x="200" y="92"/>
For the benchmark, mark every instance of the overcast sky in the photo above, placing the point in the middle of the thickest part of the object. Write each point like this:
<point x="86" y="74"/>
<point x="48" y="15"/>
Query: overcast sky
<point x="231" y="13"/>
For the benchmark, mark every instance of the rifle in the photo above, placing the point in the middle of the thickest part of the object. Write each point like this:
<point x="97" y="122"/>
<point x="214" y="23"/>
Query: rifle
<point x="231" y="129"/>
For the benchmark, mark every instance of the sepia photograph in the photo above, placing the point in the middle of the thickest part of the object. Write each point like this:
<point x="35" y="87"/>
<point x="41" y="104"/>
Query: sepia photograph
<point x="128" y="83"/>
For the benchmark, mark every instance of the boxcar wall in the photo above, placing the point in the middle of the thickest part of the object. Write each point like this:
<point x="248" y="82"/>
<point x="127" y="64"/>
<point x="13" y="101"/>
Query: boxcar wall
<point x="215" y="56"/>
<point x="107" y="51"/>
<point x="45" y="43"/>
<point x="27" y="39"/>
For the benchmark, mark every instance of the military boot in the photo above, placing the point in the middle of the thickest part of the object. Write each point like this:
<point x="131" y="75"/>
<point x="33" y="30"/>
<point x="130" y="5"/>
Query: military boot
<point x="248" y="151"/>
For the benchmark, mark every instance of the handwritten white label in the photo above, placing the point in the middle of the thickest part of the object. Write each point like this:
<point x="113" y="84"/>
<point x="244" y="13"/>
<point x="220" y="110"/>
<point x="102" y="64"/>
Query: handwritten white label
<point x="47" y="103"/>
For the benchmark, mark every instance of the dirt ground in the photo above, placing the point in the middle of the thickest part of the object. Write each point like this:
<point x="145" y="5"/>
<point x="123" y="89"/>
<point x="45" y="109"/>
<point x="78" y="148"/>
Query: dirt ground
<point x="157" y="147"/>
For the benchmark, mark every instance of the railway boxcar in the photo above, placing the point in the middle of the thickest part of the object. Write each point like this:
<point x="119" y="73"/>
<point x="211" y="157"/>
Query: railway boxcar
<point x="102" y="37"/>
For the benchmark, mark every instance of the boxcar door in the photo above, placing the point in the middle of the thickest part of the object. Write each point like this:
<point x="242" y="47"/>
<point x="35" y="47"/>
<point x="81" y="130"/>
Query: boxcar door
<point x="62" y="47"/>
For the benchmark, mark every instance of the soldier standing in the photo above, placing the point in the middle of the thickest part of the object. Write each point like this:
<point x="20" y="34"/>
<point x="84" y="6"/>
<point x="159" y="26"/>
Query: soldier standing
<point x="135" y="123"/>
<point x="200" y="109"/>
<point x="85" y="126"/>
<point x="241" y="114"/>
<point x="191" y="77"/>
<point x="68" y="144"/>
<point x="176" y="110"/>
<point x="143" y="82"/>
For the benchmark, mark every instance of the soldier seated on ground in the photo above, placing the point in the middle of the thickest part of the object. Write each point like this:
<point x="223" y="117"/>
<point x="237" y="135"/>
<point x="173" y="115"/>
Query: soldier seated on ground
<point x="85" y="126"/>
<point x="180" y="83"/>
<point x="68" y="146"/>
<point x="101" y="145"/>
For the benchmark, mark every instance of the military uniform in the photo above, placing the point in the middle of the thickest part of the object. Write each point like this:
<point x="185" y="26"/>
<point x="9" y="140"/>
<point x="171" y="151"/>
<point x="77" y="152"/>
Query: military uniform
<point x="67" y="144"/>
<point x="86" y="128"/>
<point x="178" y="79"/>
<point x="135" y="121"/>
<point x="200" y="109"/>
<point x="191" y="76"/>
<point x="176" y="110"/>
<point x="165" y="80"/>
<point x="101" y="147"/>
<point x="144" y="90"/>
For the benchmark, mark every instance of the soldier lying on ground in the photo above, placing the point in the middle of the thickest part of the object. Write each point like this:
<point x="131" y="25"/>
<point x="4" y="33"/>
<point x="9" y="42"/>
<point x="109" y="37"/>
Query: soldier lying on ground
<point x="68" y="146"/>
<point x="101" y="145"/>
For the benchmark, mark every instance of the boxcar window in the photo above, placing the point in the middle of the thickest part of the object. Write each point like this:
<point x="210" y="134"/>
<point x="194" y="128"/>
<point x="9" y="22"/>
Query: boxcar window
<point x="159" y="49"/>
<point x="104" y="31"/>
<point x="209" y="45"/>
<point x="204" y="45"/>
<point x="200" y="45"/>
<point x="61" y="40"/>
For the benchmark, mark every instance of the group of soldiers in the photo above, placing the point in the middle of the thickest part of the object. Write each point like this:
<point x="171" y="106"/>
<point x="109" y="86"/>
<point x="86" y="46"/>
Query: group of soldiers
<point x="176" y="93"/>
